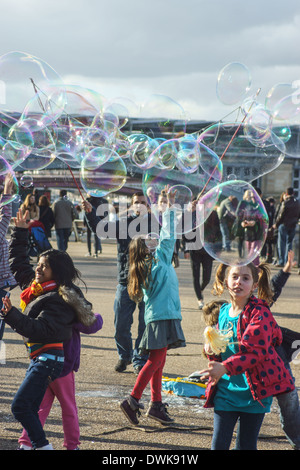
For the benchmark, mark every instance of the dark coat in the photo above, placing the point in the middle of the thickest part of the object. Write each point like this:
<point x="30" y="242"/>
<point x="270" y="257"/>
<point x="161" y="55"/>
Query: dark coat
<point x="289" y="213"/>
<point x="48" y="318"/>
<point x="123" y="236"/>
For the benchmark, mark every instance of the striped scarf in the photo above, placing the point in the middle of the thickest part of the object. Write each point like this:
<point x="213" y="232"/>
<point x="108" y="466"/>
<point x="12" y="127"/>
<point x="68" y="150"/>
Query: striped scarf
<point x="34" y="290"/>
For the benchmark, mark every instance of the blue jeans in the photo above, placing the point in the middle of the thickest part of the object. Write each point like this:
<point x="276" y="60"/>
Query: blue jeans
<point x="28" y="398"/>
<point x="225" y="235"/>
<point x="289" y="408"/>
<point x="124" y="308"/>
<point x="285" y="242"/>
<point x="247" y="435"/>
<point x="62" y="238"/>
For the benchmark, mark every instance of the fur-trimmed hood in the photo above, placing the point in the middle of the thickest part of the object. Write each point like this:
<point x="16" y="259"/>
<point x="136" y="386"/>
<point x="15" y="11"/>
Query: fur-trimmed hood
<point x="83" y="309"/>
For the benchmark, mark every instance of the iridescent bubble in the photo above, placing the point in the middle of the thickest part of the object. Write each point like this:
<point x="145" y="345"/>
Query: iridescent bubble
<point x="165" y="153"/>
<point x="152" y="241"/>
<point x="142" y="150"/>
<point x="103" y="174"/>
<point x="282" y="131"/>
<point x="124" y="108"/>
<point x="121" y="145"/>
<point x="119" y="111"/>
<point x="156" y="179"/>
<point x="26" y="83"/>
<point x="246" y="160"/>
<point x="14" y="153"/>
<point x="283" y="101"/>
<point x="183" y="196"/>
<point x="233" y="83"/>
<point x="245" y="223"/>
<point x="18" y="145"/>
<point x="161" y="113"/>
<point x="188" y="155"/>
<point x="43" y="151"/>
<point x="258" y="125"/>
<point x="26" y="181"/>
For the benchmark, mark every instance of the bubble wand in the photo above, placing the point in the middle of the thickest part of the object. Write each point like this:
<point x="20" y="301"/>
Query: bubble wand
<point x="43" y="108"/>
<point x="229" y="143"/>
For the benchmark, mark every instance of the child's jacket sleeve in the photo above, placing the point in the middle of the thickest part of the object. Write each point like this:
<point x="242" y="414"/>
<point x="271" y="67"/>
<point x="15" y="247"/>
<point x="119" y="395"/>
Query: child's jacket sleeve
<point x="166" y="245"/>
<point x="90" y="329"/>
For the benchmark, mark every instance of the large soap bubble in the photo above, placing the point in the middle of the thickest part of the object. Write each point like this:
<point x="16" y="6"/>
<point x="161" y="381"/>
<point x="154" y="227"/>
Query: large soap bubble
<point x="283" y="102"/>
<point x="258" y="126"/>
<point x="163" y="115"/>
<point x="238" y="230"/>
<point x="26" y="83"/>
<point x="233" y="83"/>
<point x="190" y="185"/>
<point x="244" y="159"/>
<point x="43" y="151"/>
<point x="142" y="150"/>
<point x="102" y="172"/>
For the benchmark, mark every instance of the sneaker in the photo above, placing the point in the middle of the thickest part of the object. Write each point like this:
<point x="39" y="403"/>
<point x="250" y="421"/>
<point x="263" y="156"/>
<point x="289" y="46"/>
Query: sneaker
<point x="46" y="447"/>
<point x="158" y="411"/>
<point x="131" y="409"/>
<point x="137" y="369"/>
<point x="24" y="447"/>
<point x="200" y="304"/>
<point x="122" y="365"/>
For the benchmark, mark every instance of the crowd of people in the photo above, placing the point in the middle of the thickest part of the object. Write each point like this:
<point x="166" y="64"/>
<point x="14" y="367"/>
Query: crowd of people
<point x="243" y="375"/>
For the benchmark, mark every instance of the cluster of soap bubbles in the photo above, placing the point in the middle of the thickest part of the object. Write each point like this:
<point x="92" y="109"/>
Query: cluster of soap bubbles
<point x="44" y="119"/>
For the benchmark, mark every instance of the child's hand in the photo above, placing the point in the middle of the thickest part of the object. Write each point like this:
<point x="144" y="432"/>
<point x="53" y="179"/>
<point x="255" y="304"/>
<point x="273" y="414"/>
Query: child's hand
<point x="21" y="219"/>
<point x="214" y="371"/>
<point x="6" y="305"/>
<point x="170" y="195"/>
<point x="290" y="262"/>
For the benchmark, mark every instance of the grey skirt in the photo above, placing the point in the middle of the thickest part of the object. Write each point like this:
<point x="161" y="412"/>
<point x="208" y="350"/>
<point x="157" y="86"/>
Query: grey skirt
<point x="162" y="334"/>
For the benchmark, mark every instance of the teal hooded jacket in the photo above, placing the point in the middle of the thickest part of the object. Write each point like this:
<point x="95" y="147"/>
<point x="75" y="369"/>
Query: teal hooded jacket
<point x="161" y="298"/>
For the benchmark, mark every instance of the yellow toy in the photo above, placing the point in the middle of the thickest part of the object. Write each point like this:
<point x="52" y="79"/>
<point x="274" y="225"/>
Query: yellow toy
<point x="215" y="340"/>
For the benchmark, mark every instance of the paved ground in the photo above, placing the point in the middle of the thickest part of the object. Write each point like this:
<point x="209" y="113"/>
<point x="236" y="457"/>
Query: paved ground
<point x="100" y="388"/>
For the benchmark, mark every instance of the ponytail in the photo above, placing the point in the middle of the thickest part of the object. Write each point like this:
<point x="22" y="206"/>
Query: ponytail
<point x="264" y="290"/>
<point x="218" y="286"/>
<point x="260" y="275"/>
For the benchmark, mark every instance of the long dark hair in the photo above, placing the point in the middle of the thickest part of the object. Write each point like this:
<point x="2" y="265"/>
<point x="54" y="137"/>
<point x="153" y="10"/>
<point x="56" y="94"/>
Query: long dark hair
<point x="62" y="267"/>
<point x="140" y="263"/>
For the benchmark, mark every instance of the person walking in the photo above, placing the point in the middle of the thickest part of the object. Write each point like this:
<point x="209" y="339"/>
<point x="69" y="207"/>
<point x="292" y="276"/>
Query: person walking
<point x="46" y="215"/>
<point x="286" y="222"/>
<point x="64" y="214"/>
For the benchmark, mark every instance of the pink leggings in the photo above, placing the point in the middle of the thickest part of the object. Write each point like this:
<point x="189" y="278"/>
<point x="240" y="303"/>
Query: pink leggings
<point x="63" y="389"/>
<point x="152" y="371"/>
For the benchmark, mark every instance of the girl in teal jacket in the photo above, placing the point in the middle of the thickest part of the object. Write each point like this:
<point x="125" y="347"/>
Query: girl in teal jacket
<point x="153" y="278"/>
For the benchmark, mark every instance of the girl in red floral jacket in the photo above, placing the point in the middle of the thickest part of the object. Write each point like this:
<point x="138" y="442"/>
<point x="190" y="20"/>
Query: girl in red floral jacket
<point x="247" y="372"/>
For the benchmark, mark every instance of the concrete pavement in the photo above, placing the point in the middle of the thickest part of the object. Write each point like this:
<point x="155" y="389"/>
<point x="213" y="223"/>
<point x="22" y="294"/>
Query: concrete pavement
<point x="99" y="388"/>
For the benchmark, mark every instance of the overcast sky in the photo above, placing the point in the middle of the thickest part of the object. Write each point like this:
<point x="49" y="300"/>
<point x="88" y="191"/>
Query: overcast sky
<point x="134" y="48"/>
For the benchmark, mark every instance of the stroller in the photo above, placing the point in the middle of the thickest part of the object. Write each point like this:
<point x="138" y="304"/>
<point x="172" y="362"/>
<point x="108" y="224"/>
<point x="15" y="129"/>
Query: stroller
<point x="38" y="241"/>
